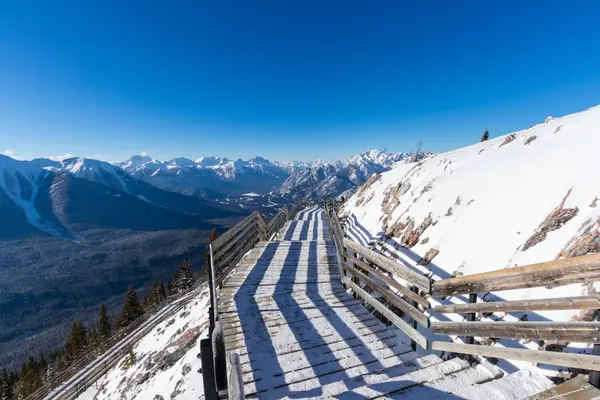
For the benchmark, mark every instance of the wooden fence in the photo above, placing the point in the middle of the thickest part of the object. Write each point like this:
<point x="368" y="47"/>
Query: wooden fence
<point x="383" y="282"/>
<point x="369" y="275"/>
<point x="582" y="269"/>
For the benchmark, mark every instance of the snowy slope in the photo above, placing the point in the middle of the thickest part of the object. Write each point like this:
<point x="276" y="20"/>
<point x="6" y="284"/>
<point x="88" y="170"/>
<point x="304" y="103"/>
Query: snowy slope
<point x="526" y="197"/>
<point x="166" y="363"/>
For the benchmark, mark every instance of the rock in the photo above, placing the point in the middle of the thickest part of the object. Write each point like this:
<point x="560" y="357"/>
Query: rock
<point x="548" y="119"/>
<point x="158" y="397"/>
<point x="169" y="356"/>
<point x="558" y="129"/>
<point x="457" y="202"/>
<point x="507" y="139"/>
<point x="555" y="220"/>
<point x="177" y="388"/>
<point x="425" y="241"/>
<point x="449" y="212"/>
<point x="187" y="368"/>
<point x="431" y="253"/>
<point x="471" y="202"/>
<point x="530" y="139"/>
<point x="594" y="203"/>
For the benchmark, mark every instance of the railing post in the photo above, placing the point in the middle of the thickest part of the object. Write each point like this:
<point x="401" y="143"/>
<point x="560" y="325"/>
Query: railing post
<point x="413" y="322"/>
<point x="208" y="370"/>
<point x="212" y="310"/>
<point x="471" y="318"/>
<point x="594" y="376"/>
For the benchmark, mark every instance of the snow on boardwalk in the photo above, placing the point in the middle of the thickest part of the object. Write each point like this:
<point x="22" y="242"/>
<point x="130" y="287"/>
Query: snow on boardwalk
<point x="299" y="334"/>
<point x="296" y="329"/>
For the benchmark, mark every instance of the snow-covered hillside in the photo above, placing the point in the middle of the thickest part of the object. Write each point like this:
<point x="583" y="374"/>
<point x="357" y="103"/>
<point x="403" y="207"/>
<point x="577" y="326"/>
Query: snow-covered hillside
<point x="166" y="363"/>
<point x="522" y="198"/>
<point x="330" y="179"/>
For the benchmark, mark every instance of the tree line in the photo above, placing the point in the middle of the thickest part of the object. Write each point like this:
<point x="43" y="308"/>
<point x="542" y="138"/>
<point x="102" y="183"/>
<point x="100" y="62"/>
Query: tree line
<point x="81" y="340"/>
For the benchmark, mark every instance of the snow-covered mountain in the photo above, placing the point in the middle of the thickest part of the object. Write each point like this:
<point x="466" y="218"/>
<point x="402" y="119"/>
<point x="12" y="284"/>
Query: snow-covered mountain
<point x="324" y="179"/>
<point x="215" y="175"/>
<point x="76" y="233"/>
<point x="526" y="197"/>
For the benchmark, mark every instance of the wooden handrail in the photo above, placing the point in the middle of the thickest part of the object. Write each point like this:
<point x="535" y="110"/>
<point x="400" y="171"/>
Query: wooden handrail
<point x="415" y="335"/>
<point x="546" y="274"/>
<point x="421" y="281"/>
<point x="562" y="303"/>
<point x="584" y="332"/>
<point x="579" y="361"/>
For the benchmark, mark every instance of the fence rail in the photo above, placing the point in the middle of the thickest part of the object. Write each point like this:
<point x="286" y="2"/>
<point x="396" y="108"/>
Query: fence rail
<point x="549" y="274"/>
<point x="361" y="265"/>
<point x="370" y="274"/>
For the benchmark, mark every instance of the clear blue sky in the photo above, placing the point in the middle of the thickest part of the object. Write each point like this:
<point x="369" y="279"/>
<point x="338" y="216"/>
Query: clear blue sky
<point x="298" y="79"/>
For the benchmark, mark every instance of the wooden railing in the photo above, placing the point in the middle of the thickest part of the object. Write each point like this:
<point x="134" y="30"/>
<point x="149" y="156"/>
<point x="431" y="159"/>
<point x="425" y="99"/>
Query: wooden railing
<point x="225" y="252"/>
<point x="548" y="274"/>
<point x="277" y="222"/>
<point x="369" y="275"/>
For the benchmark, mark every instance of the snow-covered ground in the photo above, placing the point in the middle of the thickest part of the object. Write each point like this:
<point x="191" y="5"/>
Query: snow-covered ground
<point x="166" y="363"/>
<point x="522" y="198"/>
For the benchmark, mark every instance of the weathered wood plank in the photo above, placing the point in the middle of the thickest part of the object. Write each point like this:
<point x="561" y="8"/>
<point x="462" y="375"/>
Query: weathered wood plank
<point x="421" y="281"/>
<point x="577" y="388"/>
<point x="392" y="297"/>
<point x="580" y="361"/>
<point x="584" y="332"/>
<point x="390" y="281"/>
<point x="234" y="241"/>
<point x="232" y="231"/>
<point x="419" y="338"/>
<point x="547" y="274"/>
<point x="562" y="303"/>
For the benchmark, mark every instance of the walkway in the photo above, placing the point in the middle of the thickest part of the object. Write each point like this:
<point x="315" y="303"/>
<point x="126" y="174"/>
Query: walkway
<point x="300" y="335"/>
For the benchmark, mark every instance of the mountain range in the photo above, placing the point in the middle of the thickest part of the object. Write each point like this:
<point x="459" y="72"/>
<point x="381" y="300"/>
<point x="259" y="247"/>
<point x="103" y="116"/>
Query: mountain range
<point x="77" y="232"/>
<point x="216" y="177"/>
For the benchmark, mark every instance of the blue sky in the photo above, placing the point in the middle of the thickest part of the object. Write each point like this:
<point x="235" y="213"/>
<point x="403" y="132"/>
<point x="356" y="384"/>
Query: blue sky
<point x="286" y="79"/>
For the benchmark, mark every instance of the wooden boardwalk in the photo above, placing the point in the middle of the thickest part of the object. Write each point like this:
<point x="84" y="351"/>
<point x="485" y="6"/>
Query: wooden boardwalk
<point x="299" y="334"/>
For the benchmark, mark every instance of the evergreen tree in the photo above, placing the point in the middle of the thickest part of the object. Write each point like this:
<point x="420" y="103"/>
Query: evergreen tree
<point x="175" y="284"/>
<point x="30" y="377"/>
<point x="169" y="288"/>
<point x="162" y="292"/>
<point x="186" y="275"/>
<point x="77" y="340"/>
<point x="132" y="309"/>
<point x="485" y="136"/>
<point x="104" y="328"/>
<point x="5" y="387"/>
<point x="153" y="297"/>
<point x="95" y="338"/>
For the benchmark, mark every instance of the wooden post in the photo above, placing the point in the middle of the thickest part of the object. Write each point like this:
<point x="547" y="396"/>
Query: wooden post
<point x="413" y="344"/>
<point x="471" y="318"/>
<point x="212" y="291"/>
<point x="594" y="376"/>
<point x="208" y="370"/>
